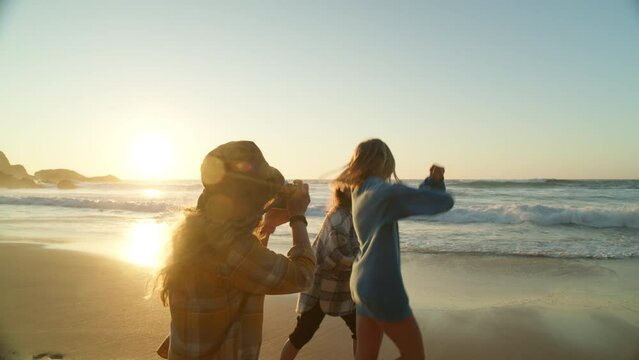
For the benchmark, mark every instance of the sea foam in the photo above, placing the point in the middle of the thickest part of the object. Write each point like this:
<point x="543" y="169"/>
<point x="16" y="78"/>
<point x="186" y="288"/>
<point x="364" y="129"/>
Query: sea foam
<point x="102" y="204"/>
<point x="627" y="217"/>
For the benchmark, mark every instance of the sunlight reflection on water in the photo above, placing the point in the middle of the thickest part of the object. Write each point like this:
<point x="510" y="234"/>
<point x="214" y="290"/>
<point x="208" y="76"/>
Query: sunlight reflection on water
<point x="152" y="193"/>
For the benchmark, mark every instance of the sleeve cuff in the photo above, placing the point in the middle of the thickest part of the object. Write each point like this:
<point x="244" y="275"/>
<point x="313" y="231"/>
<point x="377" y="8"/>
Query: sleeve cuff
<point x="301" y="251"/>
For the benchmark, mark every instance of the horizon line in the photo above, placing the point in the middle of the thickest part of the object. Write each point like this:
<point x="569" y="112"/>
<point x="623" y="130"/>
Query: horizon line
<point x="410" y="179"/>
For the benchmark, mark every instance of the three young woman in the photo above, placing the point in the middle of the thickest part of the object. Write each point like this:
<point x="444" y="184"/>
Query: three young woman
<point x="219" y="271"/>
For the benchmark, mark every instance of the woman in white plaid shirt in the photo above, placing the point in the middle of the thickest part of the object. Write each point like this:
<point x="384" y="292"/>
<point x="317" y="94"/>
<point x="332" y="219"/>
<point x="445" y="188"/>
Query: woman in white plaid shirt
<point x="335" y="249"/>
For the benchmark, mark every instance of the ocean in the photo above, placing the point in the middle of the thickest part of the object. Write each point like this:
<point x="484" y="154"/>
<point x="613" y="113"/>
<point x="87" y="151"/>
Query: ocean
<point x="132" y="220"/>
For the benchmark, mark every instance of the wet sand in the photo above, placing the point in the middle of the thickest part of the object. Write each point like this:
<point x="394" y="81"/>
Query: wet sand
<point x="469" y="307"/>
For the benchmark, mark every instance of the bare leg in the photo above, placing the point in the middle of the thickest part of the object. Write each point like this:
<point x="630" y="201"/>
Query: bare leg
<point x="407" y="337"/>
<point x="369" y="338"/>
<point x="289" y="352"/>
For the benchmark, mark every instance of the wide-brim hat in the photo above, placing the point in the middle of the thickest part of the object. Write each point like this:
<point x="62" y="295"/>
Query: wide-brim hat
<point x="238" y="170"/>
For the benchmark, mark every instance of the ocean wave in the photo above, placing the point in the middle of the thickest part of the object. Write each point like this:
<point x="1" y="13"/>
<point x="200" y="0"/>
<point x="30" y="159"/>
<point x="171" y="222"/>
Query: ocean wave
<point x="102" y="204"/>
<point x="108" y="204"/>
<point x="525" y="254"/>
<point x="543" y="215"/>
<point x="546" y="183"/>
<point x="316" y="211"/>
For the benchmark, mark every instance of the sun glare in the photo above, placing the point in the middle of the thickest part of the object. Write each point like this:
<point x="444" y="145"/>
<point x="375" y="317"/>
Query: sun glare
<point x="151" y="193"/>
<point x="146" y="243"/>
<point x="152" y="157"/>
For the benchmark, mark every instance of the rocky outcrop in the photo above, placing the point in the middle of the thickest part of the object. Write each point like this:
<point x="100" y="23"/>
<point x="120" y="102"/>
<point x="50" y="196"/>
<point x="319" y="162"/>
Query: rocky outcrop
<point x="66" y="185"/>
<point x="20" y="172"/>
<point x="16" y="176"/>
<point x="54" y="176"/>
<point x="4" y="162"/>
<point x="103" y="179"/>
<point x="11" y="182"/>
<point x="17" y="171"/>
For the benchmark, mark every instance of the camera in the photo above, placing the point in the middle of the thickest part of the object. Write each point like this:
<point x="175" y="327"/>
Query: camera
<point x="281" y="197"/>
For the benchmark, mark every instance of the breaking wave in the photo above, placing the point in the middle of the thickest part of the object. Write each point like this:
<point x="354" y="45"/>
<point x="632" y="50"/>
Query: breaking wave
<point x="543" y="215"/>
<point x="136" y="206"/>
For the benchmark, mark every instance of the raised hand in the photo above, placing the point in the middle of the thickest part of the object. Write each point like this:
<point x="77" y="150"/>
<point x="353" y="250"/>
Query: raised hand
<point x="298" y="198"/>
<point x="437" y="173"/>
<point x="274" y="218"/>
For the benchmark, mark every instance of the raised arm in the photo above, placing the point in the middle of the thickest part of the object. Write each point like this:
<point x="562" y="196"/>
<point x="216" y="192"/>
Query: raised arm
<point x="265" y="272"/>
<point x="262" y="271"/>
<point x="403" y="201"/>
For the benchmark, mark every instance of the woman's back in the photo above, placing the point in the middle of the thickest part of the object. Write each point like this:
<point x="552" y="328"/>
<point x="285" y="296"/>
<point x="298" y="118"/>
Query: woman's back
<point x="376" y="271"/>
<point x="335" y="249"/>
<point x="336" y="244"/>
<point x="377" y="205"/>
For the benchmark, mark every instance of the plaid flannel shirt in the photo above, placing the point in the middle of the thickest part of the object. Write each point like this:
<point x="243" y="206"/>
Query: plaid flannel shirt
<point x="335" y="249"/>
<point x="220" y="316"/>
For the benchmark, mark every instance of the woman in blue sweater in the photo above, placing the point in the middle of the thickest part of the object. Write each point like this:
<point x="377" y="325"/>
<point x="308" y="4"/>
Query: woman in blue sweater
<point x="376" y="281"/>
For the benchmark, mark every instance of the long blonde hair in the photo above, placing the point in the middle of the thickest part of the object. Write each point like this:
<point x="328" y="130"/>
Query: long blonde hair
<point x="238" y="184"/>
<point x="198" y="245"/>
<point x="371" y="158"/>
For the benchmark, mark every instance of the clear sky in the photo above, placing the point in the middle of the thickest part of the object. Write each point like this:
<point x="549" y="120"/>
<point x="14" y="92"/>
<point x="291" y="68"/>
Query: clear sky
<point x="490" y="89"/>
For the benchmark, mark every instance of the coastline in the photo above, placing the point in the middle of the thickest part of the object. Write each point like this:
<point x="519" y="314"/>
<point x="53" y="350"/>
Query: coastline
<point x="478" y="307"/>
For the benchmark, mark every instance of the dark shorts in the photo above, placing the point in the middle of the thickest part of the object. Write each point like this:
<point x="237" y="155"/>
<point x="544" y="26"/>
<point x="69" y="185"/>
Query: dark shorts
<point x="309" y="322"/>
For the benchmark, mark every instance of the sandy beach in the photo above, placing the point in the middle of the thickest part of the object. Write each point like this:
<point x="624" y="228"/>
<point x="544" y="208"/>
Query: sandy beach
<point x="488" y="148"/>
<point x="469" y="307"/>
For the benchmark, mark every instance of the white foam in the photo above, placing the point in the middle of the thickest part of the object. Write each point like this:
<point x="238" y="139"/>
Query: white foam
<point x="627" y="217"/>
<point x="101" y="204"/>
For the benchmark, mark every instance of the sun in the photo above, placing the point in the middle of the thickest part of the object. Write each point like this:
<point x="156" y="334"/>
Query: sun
<point x="152" y="157"/>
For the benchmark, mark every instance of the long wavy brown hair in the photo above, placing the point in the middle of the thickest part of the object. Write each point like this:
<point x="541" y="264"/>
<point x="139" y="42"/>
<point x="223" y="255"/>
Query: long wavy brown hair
<point x="371" y="158"/>
<point x="195" y="245"/>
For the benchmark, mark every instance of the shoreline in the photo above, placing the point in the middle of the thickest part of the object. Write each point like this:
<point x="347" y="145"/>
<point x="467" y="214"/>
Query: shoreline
<point x="478" y="307"/>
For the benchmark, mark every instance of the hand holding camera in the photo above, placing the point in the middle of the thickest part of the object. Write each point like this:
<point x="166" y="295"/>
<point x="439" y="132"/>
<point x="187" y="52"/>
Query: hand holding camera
<point x="292" y="200"/>
<point x="297" y="198"/>
<point x="274" y="218"/>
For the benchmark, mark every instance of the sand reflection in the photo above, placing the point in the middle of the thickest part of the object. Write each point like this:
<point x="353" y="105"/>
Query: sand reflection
<point x="146" y="243"/>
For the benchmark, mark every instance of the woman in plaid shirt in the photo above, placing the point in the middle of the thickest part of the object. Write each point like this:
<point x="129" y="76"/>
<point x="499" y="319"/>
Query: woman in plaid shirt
<point x="335" y="249"/>
<point x="219" y="271"/>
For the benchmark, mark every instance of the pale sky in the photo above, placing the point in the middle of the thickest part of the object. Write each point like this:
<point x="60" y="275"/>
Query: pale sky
<point x="490" y="89"/>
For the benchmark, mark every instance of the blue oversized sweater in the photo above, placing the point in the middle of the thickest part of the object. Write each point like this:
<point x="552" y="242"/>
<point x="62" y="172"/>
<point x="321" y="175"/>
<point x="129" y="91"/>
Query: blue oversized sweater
<point x="376" y="280"/>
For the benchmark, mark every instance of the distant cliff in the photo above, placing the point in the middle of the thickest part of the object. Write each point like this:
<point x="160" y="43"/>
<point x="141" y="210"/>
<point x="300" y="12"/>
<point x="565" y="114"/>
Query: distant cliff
<point x="54" y="176"/>
<point x="17" y="171"/>
<point x="16" y="176"/>
<point x="11" y="182"/>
